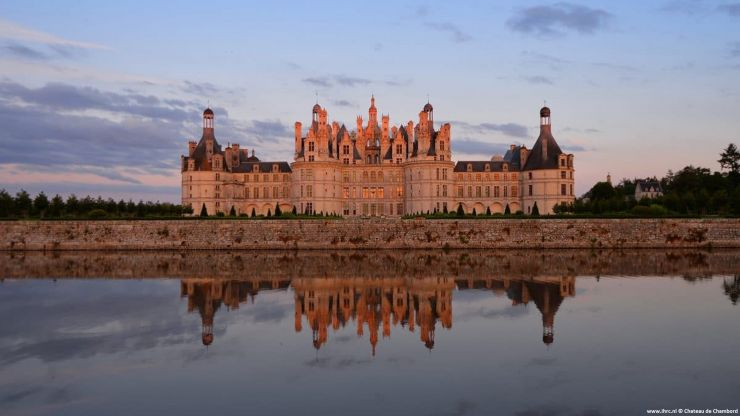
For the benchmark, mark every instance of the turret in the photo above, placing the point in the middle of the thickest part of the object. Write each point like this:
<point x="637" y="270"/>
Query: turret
<point x="545" y="130"/>
<point x="298" y="138"/>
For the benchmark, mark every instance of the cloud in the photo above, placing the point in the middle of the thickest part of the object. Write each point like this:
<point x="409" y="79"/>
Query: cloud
<point x="538" y="79"/>
<point x="735" y="50"/>
<point x="509" y="129"/>
<point x="14" y="31"/>
<point x="472" y="146"/>
<point x="328" y="81"/>
<point x="559" y="18"/>
<point x="25" y="52"/>
<point x="617" y="67"/>
<point x="457" y="35"/>
<point x="731" y="9"/>
<point x="350" y="81"/>
<point x="268" y="129"/>
<point x="342" y="103"/>
<point x="66" y="97"/>
<point x="689" y="7"/>
<point x="318" y="81"/>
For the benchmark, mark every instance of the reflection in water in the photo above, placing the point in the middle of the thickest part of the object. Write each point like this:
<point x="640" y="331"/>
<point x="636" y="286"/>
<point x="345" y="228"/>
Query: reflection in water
<point x="117" y="336"/>
<point x="732" y="288"/>
<point x="375" y="304"/>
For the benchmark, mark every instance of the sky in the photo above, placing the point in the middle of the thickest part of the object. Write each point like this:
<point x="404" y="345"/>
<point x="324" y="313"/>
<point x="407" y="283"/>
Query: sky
<point x="101" y="98"/>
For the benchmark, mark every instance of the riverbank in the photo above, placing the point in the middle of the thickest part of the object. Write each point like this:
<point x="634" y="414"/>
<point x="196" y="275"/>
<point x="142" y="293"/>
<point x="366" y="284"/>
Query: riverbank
<point x="370" y="234"/>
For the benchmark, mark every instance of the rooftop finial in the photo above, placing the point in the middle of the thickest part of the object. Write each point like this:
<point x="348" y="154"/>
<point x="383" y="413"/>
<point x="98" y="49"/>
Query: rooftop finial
<point x="317" y="96"/>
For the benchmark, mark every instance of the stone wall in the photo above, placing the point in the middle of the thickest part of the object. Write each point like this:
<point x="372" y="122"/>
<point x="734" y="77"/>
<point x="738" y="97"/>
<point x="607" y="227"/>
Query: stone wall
<point x="369" y="234"/>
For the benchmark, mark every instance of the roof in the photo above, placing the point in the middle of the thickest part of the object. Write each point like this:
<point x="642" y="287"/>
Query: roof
<point x="428" y="107"/>
<point x="536" y="158"/>
<point x="480" y="166"/>
<point x="514" y="157"/>
<point x="645" y="184"/>
<point x="208" y="111"/>
<point x="265" y="167"/>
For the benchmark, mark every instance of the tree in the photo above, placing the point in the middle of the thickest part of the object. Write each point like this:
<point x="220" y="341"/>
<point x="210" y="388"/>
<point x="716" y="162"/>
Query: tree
<point x="460" y="211"/>
<point x="488" y="211"/>
<point x="254" y="213"/>
<point x="278" y="211"/>
<point x="444" y="209"/>
<point x="602" y="191"/>
<point x="269" y="214"/>
<point x="474" y="213"/>
<point x="56" y="207"/>
<point x="730" y="158"/>
<point x="535" y="210"/>
<point x="232" y="212"/>
<point x="203" y="210"/>
<point x="40" y="204"/>
<point x="22" y="203"/>
<point x="7" y="205"/>
<point x="295" y="211"/>
<point x="507" y="211"/>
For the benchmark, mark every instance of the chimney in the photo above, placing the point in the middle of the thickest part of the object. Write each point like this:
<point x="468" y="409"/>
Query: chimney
<point x="191" y="147"/>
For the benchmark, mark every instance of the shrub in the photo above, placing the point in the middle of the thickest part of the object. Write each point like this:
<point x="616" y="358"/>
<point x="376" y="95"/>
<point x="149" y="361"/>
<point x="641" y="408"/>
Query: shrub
<point x="97" y="214"/>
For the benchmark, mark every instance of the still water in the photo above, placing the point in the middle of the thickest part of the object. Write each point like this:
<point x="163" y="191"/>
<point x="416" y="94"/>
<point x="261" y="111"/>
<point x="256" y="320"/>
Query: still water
<point x="369" y="333"/>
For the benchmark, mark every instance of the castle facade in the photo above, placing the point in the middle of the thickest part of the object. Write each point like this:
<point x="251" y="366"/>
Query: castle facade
<point x="375" y="170"/>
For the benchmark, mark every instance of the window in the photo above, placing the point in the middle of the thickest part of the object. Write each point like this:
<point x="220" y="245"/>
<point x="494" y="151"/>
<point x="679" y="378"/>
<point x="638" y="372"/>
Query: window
<point x="529" y="175"/>
<point x="442" y="145"/>
<point x="571" y="189"/>
<point x="514" y="191"/>
<point x="437" y="173"/>
<point x="562" y="174"/>
<point x="562" y="189"/>
<point x="444" y="190"/>
<point x="311" y="158"/>
<point x="399" y="149"/>
<point x="275" y="192"/>
<point x="309" y="191"/>
<point x="470" y="191"/>
<point x="562" y="162"/>
<point x="496" y="191"/>
<point x="459" y="191"/>
<point x="488" y="191"/>
<point x="218" y="176"/>
<point x="310" y="146"/>
<point x="381" y="193"/>
<point x="469" y="167"/>
<point x="530" y="190"/>
<point x="345" y="149"/>
<point x="399" y="191"/>
<point x="506" y="188"/>
<point x="477" y="192"/>
<point x="365" y="192"/>
<point x="246" y="193"/>
<point x="444" y="174"/>
<point x="437" y="190"/>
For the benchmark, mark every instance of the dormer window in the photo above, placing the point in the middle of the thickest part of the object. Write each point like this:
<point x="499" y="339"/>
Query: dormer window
<point x="488" y="167"/>
<point x="256" y="168"/>
<point x="470" y="167"/>
<point x="275" y="168"/>
<point x="505" y="167"/>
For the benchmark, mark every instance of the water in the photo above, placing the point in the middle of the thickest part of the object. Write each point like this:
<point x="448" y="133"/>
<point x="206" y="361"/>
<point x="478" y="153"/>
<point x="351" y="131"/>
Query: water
<point x="369" y="333"/>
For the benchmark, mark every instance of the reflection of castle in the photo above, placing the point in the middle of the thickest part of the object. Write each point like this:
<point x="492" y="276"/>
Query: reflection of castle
<point x="375" y="304"/>
<point x="207" y="295"/>
<point x="547" y="295"/>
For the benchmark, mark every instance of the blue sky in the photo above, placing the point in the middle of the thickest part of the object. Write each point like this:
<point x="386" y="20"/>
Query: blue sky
<point x="101" y="97"/>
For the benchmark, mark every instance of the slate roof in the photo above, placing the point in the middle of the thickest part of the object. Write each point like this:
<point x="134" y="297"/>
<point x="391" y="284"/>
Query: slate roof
<point x="535" y="160"/>
<point x="265" y="167"/>
<point x="480" y="166"/>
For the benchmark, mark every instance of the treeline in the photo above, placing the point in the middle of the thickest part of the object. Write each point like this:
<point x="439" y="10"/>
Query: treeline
<point x="23" y="205"/>
<point x="692" y="191"/>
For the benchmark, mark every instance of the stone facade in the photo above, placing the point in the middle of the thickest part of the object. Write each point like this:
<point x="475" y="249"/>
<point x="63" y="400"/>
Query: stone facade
<point x="375" y="171"/>
<point x="369" y="234"/>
